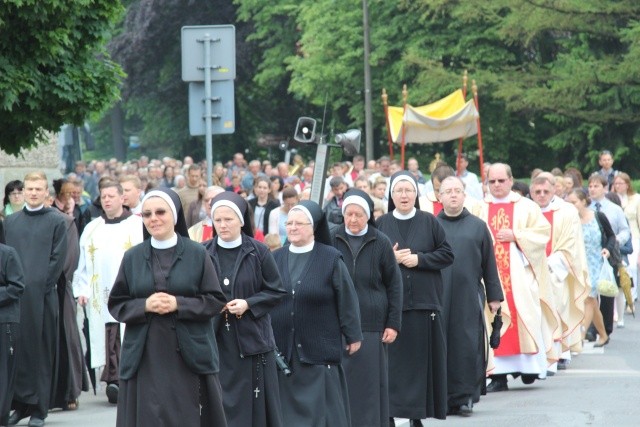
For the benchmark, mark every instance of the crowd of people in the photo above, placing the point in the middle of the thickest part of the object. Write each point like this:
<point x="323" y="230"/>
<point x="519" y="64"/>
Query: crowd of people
<point x="245" y="303"/>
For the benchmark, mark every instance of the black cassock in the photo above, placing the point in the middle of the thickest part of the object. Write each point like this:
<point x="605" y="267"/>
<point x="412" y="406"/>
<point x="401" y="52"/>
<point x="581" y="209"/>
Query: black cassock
<point x="463" y="304"/>
<point x="40" y="238"/>
<point x="72" y="376"/>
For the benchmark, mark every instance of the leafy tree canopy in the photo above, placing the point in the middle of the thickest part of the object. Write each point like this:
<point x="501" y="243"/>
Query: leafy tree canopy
<point x="53" y="66"/>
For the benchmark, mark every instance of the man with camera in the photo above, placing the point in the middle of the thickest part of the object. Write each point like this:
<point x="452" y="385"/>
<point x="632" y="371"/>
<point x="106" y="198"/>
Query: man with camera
<point x="333" y="208"/>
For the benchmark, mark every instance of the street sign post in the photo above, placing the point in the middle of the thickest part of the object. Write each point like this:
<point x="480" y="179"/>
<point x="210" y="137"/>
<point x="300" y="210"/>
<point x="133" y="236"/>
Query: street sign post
<point x="208" y="54"/>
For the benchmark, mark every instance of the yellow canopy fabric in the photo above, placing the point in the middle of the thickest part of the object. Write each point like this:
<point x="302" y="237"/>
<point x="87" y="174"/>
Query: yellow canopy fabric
<point x="444" y="120"/>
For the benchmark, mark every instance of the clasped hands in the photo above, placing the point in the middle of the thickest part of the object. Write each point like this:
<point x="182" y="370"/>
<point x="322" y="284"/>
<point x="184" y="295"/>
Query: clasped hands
<point x="161" y="303"/>
<point x="405" y="257"/>
<point x="237" y="307"/>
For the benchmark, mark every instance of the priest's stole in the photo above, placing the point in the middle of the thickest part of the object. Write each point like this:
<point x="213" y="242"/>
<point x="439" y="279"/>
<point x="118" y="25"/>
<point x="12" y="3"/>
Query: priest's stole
<point x="501" y="217"/>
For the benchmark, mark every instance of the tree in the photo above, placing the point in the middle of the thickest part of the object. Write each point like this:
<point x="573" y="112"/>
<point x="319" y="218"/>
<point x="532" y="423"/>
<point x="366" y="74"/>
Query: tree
<point x="54" y="69"/>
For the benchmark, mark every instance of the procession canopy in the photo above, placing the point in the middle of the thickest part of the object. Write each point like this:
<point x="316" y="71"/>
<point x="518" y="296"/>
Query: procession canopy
<point x="444" y="120"/>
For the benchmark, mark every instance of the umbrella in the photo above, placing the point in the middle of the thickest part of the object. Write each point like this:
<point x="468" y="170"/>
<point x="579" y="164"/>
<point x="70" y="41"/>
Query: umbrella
<point x="625" y="285"/>
<point x="496" y="325"/>
<point x="87" y="357"/>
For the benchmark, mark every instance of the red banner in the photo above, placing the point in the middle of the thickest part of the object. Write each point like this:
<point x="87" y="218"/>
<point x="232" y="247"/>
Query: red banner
<point x="501" y="217"/>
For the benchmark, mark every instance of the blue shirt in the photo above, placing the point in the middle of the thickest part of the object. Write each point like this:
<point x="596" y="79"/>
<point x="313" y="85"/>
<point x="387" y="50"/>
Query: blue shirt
<point x="616" y="217"/>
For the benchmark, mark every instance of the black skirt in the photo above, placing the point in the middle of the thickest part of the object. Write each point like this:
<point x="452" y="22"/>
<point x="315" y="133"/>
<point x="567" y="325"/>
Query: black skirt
<point x="314" y="395"/>
<point x="165" y="393"/>
<point x="368" y="381"/>
<point x="251" y="396"/>
<point x="418" y="368"/>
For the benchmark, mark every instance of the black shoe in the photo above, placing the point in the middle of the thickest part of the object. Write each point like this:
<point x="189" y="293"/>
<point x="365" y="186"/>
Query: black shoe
<point x="35" y="422"/>
<point x="16" y="417"/>
<point x="415" y="423"/>
<point x="497" y="384"/>
<point x="392" y="422"/>
<point x="112" y="393"/>
<point x="529" y="378"/>
<point x="563" y="364"/>
<point x="467" y="409"/>
<point x="453" y="410"/>
<point x="598" y="345"/>
<point x="589" y="336"/>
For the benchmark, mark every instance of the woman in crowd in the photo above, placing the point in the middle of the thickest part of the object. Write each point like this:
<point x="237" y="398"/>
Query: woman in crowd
<point x="371" y="263"/>
<point x="277" y="185"/>
<point x="278" y="217"/>
<point x="219" y="176"/>
<point x="595" y="250"/>
<point x="262" y="205"/>
<point x="418" y="358"/>
<point x="167" y="292"/>
<point x="574" y="178"/>
<point x="13" y="198"/>
<point x="319" y="311"/>
<point x="252" y="285"/>
<point x="65" y="203"/>
<point x="168" y="178"/>
<point x="630" y="202"/>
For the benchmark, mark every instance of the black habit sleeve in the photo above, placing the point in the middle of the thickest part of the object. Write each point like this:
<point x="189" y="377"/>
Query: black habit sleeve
<point x="208" y="302"/>
<point x="442" y="255"/>
<point x="271" y="291"/>
<point x="392" y="280"/>
<point x="490" y="275"/>
<point x="58" y="250"/>
<point x="122" y="306"/>
<point x="347" y="302"/>
<point x="12" y="277"/>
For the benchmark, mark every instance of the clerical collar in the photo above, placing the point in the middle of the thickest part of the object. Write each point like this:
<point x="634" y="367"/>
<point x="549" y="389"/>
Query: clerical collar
<point x="399" y="215"/>
<point x="164" y="244"/>
<point x="301" y="249"/>
<point x="230" y="245"/>
<point x="503" y="200"/>
<point x="362" y="233"/>
<point x="33" y="209"/>
<point x="125" y="214"/>
<point x="549" y="206"/>
<point x="456" y="215"/>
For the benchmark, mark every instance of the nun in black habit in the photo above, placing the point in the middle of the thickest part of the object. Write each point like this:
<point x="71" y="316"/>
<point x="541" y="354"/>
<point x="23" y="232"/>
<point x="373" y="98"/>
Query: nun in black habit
<point x="318" y="312"/>
<point x="418" y="358"/>
<point x="167" y="293"/>
<point x="251" y="283"/>
<point x="369" y="257"/>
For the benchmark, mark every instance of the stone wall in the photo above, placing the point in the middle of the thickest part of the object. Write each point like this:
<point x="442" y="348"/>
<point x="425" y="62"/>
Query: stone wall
<point x="44" y="157"/>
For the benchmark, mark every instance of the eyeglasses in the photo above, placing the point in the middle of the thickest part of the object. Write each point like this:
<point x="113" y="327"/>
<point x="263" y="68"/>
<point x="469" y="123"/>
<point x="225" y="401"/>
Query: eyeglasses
<point x="450" y="191"/>
<point x="296" y="224"/>
<point x="542" y="192"/>
<point x="408" y="191"/>
<point x="499" y="181"/>
<point x="157" y="212"/>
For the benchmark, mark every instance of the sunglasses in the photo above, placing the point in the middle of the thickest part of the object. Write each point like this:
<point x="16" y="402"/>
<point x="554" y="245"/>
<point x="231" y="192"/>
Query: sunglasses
<point x="499" y="181"/>
<point x="158" y="212"/>
<point x="542" y="192"/>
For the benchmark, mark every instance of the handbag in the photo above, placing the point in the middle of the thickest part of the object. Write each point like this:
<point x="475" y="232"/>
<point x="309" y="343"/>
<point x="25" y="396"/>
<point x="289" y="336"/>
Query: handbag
<point x="606" y="283"/>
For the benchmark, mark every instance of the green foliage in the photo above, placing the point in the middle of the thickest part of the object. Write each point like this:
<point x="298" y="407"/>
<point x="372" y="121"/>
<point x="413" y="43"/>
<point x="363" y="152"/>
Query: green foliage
<point x="53" y="66"/>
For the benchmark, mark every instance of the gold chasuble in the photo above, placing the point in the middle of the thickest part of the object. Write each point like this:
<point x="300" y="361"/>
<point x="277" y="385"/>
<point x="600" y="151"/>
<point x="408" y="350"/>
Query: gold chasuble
<point x="524" y="274"/>
<point x="568" y="266"/>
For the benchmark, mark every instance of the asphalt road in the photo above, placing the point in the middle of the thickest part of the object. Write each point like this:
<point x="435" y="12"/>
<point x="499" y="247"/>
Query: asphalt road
<point x="601" y="387"/>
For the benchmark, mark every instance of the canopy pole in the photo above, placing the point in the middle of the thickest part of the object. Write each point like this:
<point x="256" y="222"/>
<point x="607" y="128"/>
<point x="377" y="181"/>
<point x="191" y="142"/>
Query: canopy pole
<point x="465" y="78"/>
<point x="405" y="94"/>
<point x="386" y="116"/>
<point x="474" y="88"/>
